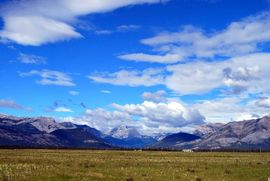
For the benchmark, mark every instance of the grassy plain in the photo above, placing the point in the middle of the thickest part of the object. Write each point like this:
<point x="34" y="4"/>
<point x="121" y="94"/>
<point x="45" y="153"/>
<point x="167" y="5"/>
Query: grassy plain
<point x="91" y="165"/>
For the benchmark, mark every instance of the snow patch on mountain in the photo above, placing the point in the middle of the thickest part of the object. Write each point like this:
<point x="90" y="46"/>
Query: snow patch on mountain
<point x="124" y="132"/>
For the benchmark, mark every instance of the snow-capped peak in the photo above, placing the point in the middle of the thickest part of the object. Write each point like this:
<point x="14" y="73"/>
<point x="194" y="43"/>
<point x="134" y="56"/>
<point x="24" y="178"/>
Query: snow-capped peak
<point x="124" y="132"/>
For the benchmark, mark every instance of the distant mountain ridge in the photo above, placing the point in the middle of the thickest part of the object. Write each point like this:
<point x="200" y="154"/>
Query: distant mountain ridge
<point x="207" y="129"/>
<point x="43" y="132"/>
<point x="128" y="137"/>
<point x="46" y="132"/>
<point x="173" y="141"/>
<point x="124" y="132"/>
<point x="249" y="134"/>
<point x="243" y="135"/>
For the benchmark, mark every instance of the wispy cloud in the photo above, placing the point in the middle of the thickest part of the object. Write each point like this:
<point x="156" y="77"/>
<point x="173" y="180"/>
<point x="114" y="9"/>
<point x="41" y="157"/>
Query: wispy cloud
<point x="63" y="110"/>
<point x="158" y="96"/>
<point x="263" y="102"/>
<point x="239" y="38"/>
<point x="6" y="103"/>
<point x="243" y="74"/>
<point x="74" y="93"/>
<point x="11" y="104"/>
<point x="31" y="59"/>
<point x="142" y="57"/>
<point x="125" y="28"/>
<point x="119" y="29"/>
<point x="106" y="91"/>
<point x="133" y="78"/>
<point x="50" y="77"/>
<point x="40" y="22"/>
<point x="103" y="32"/>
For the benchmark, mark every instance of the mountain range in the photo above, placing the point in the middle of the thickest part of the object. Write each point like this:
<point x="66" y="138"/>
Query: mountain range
<point x="43" y="132"/>
<point x="243" y="135"/>
<point x="46" y="132"/>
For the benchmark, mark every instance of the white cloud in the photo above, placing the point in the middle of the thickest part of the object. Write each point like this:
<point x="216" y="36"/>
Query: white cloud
<point x="263" y="102"/>
<point x="148" y="117"/>
<point x="155" y="96"/>
<point x="124" y="28"/>
<point x="39" y="22"/>
<point x="171" y="113"/>
<point x="50" y="77"/>
<point x="31" y="59"/>
<point x="106" y="91"/>
<point x="74" y="93"/>
<point x="5" y="103"/>
<point x="121" y="28"/>
<point x="243" y="74"/>
<point x="194" y="78"/>
<point x="142" y="57"/>
<point x="221" y="109"/>
<point x="243" y="117"/>
<point x="228" y="109"/>
<point x="239" y="38"/>
<point x="133" y="78"/>
<point x="101" y="119"/>
<point x="103" y="32"/>
<point x="35" y="30"/>
<point x="11" y="104"/>
<point x="63" y="110"/>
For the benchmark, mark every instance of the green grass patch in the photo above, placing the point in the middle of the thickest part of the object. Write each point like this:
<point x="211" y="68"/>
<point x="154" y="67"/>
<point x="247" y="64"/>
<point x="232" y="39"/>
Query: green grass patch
<point x="132" y="165"/>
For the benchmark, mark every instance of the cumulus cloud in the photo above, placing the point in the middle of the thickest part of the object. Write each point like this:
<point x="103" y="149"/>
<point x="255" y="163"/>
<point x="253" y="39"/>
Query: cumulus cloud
<point x="172" y="113"/>
<point x="148" y="117"/>
<point x="238" y="74"/>
<point x="226" y="109"/>
<point x="50" y="77"/>
<point x="239" y="38"/>
<point x="37" y="22"/>
<point x="194" y="78"/>
<point x="101" y="119"/>
<point x="133" y="78"/>
<point x="242" y="74"/>
<point x="31" y="59"/>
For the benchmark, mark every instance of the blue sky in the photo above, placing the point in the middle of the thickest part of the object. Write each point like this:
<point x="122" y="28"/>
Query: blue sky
<point x="160" y="66"/>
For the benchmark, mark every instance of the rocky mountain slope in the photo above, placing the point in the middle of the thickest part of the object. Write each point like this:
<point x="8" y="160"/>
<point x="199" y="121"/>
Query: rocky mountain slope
<point x="46" y="132"/>
<point x="250" y="134"/>
<point x="207" y="129"/>
<point x="128" y="137"/>
<point x="244" y="135"/>
<point x="176" y="140"/>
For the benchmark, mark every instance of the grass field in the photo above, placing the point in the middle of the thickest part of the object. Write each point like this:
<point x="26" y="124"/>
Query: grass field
<point x="132" y="165"/>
